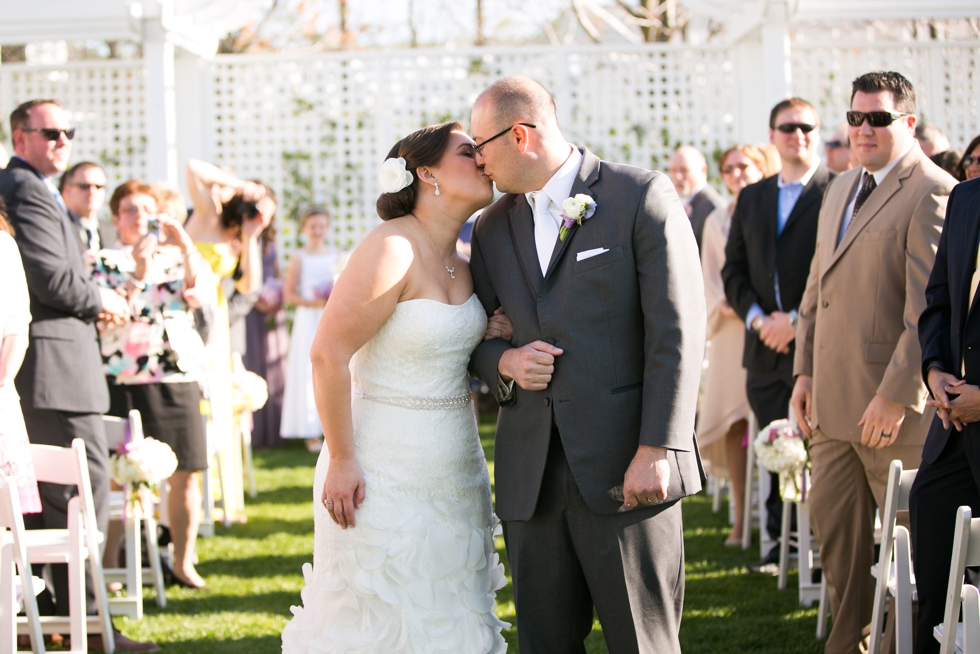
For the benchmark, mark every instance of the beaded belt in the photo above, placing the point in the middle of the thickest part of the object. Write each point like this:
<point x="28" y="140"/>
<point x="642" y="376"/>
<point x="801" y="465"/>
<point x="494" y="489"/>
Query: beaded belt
<point x="425" y="403"/>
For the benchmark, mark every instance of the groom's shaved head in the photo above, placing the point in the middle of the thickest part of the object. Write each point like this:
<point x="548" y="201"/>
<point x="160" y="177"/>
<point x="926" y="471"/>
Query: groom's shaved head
<point x="519" y="99"/>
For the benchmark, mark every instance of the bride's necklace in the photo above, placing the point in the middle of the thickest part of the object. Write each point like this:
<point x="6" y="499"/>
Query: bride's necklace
<point x="451" y="270"/>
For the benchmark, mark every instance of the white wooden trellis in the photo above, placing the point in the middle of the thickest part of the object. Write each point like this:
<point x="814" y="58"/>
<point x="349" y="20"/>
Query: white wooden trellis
<point x="319" y="126"/>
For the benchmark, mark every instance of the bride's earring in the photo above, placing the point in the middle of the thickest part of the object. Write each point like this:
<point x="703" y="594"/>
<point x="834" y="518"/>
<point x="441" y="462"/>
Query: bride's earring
<point x="437" y="189"/>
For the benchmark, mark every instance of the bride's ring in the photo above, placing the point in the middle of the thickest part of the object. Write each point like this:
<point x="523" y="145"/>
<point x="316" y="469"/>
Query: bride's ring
<point x="326" y="502"/>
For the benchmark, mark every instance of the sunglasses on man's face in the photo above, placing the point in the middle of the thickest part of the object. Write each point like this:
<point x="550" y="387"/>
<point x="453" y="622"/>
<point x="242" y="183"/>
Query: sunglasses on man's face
<point x="51" y="134"/>
<point x="833" y="145"/>
<point x="789" y="128"/>
<point x="874" y="118"/>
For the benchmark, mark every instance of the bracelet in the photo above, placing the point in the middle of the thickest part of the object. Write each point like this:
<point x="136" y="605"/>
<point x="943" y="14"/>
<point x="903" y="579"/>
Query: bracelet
<point x="140" y="286"/>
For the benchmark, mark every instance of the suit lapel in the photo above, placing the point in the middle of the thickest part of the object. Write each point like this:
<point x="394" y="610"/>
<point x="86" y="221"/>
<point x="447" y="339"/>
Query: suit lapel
<point x="521" y="222"/>
<point x="970" y="260"/>
<point x="587" y="175"/>
<point x="811" y="193"/>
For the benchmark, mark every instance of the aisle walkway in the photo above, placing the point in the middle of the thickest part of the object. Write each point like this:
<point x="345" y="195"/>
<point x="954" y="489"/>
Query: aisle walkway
<point x="253" y="572"/>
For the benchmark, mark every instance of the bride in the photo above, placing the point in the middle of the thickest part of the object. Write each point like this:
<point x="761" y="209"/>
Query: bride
<point x="403" y="557"/>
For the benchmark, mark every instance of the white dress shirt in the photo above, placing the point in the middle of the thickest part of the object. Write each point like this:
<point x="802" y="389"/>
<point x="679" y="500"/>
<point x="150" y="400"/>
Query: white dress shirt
<point x="558" y="189"/>
<point x="879" y="176"/>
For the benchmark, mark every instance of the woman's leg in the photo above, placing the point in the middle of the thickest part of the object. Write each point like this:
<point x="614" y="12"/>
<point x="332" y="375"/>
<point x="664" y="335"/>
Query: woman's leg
<point x="184" y="506"/>
<point x="736" y="472"/>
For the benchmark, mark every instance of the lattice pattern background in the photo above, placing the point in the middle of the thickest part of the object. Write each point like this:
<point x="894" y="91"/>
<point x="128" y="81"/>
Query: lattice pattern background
<point x="946" y="79"/>
<point x="316" y="128"/>
<point x="107" y="104"/>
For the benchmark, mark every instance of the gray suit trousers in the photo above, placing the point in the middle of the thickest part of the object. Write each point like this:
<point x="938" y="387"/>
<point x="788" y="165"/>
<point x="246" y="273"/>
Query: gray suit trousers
<point x="567" y="558"/>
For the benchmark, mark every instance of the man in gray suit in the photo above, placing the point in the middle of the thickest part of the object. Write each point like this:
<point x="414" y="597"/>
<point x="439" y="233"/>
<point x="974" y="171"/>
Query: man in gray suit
<point x="688" y="170"/>
<point x="61" y="384"/>
<point x="598" y="388"/>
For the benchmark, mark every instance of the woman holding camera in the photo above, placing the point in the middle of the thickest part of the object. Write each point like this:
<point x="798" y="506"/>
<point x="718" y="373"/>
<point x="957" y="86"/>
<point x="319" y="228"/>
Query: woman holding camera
<point x="228" y="218"/>
<point x="152" y="362"/>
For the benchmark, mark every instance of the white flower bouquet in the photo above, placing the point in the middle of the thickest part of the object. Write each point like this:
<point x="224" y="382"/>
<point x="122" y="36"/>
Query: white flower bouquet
<point x="142" y="465"/>
<point x="781" y="448"/>
<point x="249" y="392"/>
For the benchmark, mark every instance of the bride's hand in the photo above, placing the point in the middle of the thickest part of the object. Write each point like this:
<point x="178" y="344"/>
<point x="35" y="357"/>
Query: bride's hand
<point x="499" y="326"/>
<point x="343" y="491"/>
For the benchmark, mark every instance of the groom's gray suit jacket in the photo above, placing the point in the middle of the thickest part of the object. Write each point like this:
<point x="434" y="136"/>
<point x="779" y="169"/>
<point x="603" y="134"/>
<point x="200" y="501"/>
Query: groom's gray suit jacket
<point x="631" y="322"/>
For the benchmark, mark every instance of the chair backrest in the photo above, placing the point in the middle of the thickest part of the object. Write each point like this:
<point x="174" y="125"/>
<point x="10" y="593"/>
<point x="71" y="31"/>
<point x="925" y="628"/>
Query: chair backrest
<point x="896" y="499"/>
<point x="966" y="552"/>
<point x="115" y="429"/>
<point x="10" y="512"/>
<point x="68" y="466"/>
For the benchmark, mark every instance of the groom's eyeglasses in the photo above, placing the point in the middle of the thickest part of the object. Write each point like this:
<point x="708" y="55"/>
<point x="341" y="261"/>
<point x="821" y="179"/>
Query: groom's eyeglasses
<point x="479" y="148"/>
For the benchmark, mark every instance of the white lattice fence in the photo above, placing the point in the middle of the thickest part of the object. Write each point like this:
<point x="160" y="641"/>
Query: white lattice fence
<point x="946" y="78"/>
<point x="106" y="102"/>
<point x="317" y="128"/>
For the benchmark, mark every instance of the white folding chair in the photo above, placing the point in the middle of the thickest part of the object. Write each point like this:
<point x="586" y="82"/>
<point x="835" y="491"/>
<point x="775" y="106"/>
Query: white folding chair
<point x="955" y="636"/>
<point x="14" y="567"/>
<point x="757" y="484"/>
<point x="73" y="546"/>
<point x="893" y="571"/>
<point x="135" y="518"/>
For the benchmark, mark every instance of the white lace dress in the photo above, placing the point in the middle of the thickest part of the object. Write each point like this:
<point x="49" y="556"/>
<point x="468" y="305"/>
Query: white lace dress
<point x="419" y="572"/>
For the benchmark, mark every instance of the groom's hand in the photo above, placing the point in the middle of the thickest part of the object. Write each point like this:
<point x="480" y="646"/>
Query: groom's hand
<point x="647" y="478"/>
<point x="530" y="366"/>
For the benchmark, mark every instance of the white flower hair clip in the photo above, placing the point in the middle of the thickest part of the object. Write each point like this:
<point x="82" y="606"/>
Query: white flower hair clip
<point x="394" y="175"/>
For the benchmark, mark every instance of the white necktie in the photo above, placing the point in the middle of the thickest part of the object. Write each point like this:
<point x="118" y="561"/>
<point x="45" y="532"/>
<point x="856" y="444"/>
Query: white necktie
<point x="545" y="229"/>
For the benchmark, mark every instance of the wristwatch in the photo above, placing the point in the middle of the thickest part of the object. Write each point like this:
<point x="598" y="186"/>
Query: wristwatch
<point x="757" y="323"/>
<point x="793" y="317"/>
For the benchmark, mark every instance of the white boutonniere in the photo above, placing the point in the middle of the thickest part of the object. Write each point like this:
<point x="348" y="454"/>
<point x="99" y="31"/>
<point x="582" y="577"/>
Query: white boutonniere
<point x="574" y="211"/>
<point x="394" y="176"/>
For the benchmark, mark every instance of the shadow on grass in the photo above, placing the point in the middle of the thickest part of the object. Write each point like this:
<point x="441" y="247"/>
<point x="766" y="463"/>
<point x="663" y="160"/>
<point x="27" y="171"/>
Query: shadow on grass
<point x="252" y="645"/>
<point x="257" y="567"/>
<point x="199" y="605"/>
<point x="260" y="527"/>
<point x="284" y="495"/>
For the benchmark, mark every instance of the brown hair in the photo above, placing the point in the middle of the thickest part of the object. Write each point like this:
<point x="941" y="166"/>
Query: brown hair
<point x="753" y="153"/>
<point x="903" y="93"/>
<point x="22" y="113"/>
<point x="423" y="147"/>
<point x="789" y="103"/>
<point x="310" y="211"/>
<point x="231" y="211"/>
<point x="960" y="173"/>
<point x="68" y="174"/>
<point x="4" y="225"/>
<point x="124" y="190"/>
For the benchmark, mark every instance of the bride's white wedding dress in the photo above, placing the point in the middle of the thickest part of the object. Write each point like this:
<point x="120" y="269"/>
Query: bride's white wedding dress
<point x="418" y="572"/>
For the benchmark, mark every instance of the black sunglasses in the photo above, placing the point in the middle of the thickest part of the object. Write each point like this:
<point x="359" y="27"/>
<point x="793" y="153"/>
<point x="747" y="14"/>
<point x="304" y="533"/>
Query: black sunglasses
<point x="833" y="145"/>
<point x="874" y="118"/>
<point x="52" y="134"/>
<point x="969" y="160"/>
<point x="479" y="148"/>
<point x="789" y="128"/>
<point x="85" y="187"/>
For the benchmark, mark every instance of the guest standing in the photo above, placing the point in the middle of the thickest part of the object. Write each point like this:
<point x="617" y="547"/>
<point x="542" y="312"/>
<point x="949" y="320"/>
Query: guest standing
<point x="15" y="317"/>
<point x="859" y="386"/>
<point x="725" y="408"/>
<point x="688" y="171"/>
<point x="229" y="215"/>
<point x="309" y="281"/>
<point x="969" y="166"/>
<point x="268" y="340"/>
<point x="773" y="233"/>
<point x="949" y="476"/>
<point x="152" y="363"/>
<point x="840" y="158"/>
<point x="83" y="189"/>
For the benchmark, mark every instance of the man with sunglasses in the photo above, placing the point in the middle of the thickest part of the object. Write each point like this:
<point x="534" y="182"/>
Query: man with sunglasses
<point x="61" y="384"/>
<point x="773" y="233"/>
<point x="859" y="394"/>
<point x="840" y="159"/>
<point x="83" y="188"/>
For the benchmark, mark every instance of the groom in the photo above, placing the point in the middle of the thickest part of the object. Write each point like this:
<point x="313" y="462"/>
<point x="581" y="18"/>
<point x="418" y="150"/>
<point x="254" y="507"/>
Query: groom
<point x="598" y="391"/>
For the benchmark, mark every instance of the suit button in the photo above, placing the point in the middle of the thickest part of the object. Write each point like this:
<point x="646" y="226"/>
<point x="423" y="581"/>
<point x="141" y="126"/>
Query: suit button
<point x="550" y="341"/>
<point x="826" y="304"/>
<point x="547" y="401"/>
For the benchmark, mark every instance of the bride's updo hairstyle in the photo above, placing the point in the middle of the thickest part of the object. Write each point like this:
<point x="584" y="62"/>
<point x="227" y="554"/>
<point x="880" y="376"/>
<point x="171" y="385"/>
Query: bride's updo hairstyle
<point x="423" y="147"/>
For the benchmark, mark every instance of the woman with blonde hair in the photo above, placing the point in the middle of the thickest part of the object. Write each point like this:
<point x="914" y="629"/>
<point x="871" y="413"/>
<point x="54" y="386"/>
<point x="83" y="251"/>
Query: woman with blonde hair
<point x="725" y="409"/>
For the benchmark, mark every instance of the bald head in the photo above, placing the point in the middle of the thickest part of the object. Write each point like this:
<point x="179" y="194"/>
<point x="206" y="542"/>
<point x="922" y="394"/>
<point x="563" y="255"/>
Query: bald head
<point x="518" y="99"/>
<point x="688" y="170"/>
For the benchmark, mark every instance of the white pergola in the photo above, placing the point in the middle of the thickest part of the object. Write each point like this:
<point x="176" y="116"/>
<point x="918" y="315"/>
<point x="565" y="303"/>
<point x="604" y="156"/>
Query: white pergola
<point x="194" y="26"/>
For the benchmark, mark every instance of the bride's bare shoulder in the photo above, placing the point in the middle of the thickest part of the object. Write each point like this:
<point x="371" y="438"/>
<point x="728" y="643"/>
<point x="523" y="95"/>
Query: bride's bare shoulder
<point x="389" y="246"/>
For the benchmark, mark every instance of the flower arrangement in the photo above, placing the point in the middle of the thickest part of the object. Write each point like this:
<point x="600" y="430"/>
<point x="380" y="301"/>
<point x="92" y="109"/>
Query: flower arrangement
<point x="143" y="465"/>
<point x="574" y="211"/>
<point x="249" y="392"/>
<point x="781" y="448"/>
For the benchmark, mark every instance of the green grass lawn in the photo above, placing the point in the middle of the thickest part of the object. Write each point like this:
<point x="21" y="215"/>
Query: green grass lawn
<point x="253" y="574"/>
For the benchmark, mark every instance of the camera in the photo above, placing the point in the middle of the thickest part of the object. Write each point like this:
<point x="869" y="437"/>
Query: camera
<point x="153" y="226"/>
<point x="248" y="210"/>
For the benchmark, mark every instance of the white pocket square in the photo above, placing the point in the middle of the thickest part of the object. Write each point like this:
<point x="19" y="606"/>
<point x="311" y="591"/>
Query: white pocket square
<point x="588" y="254"/>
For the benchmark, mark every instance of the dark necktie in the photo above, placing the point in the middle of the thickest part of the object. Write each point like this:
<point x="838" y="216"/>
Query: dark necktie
<point x="868" y="185"/>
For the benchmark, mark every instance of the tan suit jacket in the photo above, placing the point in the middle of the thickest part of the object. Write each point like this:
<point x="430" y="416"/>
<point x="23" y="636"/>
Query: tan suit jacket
<point x="857" y="334"/>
